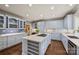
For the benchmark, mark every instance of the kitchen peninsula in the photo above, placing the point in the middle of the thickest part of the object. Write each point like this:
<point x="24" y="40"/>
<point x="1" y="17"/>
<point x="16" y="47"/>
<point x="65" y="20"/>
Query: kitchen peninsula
<point x="71" y="43"/>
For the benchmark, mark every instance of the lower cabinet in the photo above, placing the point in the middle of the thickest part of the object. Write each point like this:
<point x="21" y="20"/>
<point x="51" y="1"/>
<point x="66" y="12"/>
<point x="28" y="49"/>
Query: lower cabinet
<point x="15" y="39"/>
<point x="19" y="38"/>
<point x="11" y="41"/>
<point x="65" y="42"/>
<point x="8" y="41"/>
<point x="3" y="43"/>
<point x="55" y="36"/>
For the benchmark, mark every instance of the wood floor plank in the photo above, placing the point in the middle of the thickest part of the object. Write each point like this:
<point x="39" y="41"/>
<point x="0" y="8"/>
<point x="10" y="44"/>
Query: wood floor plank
<point x="15" y="50"/>
<point x="56" y="48"/>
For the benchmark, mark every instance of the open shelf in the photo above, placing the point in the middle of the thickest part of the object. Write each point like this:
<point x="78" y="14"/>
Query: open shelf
<point x="33" y="47"/>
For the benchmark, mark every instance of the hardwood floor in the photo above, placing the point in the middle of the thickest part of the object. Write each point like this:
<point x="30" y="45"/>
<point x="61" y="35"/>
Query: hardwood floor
<point x="15" y="50"/>
<point x="55" y="48"/>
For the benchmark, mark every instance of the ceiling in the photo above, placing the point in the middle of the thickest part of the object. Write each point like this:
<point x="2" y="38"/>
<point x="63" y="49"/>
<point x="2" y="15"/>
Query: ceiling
<point x="38" y="11"/>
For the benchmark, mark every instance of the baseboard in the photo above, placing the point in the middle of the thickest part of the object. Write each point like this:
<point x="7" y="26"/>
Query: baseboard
<point x="55" y="40"/>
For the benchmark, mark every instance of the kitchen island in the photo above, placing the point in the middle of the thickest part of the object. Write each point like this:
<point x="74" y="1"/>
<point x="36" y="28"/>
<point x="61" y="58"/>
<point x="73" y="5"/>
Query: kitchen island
<point x="35" y="44"/>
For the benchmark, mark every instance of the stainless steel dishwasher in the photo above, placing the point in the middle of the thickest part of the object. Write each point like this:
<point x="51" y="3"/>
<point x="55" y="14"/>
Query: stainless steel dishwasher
<point x="72" y="48"/>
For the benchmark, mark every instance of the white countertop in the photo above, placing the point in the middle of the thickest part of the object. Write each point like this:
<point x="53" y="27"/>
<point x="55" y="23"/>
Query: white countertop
<point x="75" y="41"/>
<point x="10" y="34"/>
<point x="35" y="38"/>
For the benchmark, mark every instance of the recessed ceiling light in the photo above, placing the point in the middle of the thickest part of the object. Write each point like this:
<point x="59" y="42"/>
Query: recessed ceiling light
<point x="30" y="5"/>
<point x="52" y="7"/>
<point x="70" y="4"/>
<point x="27" y="15"/>
<point x="6" y="5"/>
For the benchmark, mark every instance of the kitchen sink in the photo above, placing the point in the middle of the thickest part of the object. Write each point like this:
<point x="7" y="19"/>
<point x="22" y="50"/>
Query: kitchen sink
<point x="42" y="35"/>
<point x="33" y="33"/>
<point x="74" y="37"/>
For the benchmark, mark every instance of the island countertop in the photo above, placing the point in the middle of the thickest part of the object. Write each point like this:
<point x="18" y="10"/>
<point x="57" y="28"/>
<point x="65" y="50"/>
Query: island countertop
<point x="36" y="38"/>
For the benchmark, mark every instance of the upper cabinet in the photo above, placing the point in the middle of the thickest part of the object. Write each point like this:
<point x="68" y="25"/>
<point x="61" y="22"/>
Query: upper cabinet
<point x="21" y="24"/>
<point x="24" y="24"/>
<point x="76" y="22"/>
<point x="12" y="22"/>
<point x="2" y="21"/>
<point x="7" y="21"/>
<point x="54" y="24"/>
<point x="68" y="22"/>
<point x="41" y="26"/>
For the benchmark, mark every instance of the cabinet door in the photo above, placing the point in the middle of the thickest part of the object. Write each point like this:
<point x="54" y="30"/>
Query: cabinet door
<point x="2" y="21"/>
<point x="3" y="43"/>
<point x="56" y="36"/>
<point x="21" y="24"/>
<point x="65" y="42"/>
<point x="68" y="22"/>
<point x="18" y="38"/>
<point x="11" y="41"/>
<point x="13" y="22"/>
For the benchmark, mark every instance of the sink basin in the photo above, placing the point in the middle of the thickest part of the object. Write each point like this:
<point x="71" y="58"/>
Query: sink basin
<point x="42" y="35"/>
<point x="34" y="33"/>
<point x="74" y="37"/>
